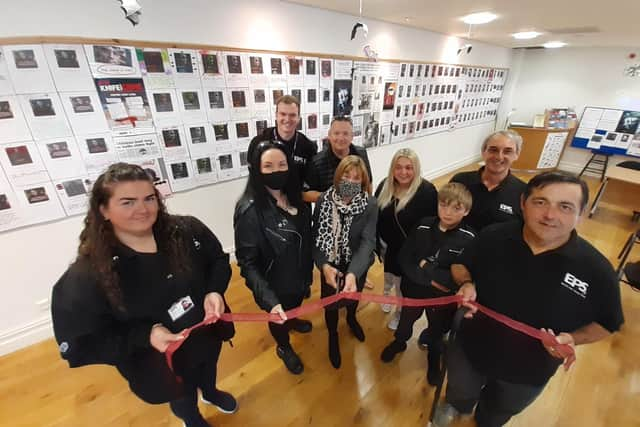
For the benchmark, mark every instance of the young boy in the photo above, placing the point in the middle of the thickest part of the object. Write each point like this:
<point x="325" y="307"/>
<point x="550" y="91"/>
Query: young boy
<point x="425" y="261"/>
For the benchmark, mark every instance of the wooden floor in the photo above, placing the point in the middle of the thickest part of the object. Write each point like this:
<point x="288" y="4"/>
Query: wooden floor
<point x="601" y="389"/>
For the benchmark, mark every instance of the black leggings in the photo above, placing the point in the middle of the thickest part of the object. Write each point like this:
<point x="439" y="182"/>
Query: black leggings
<point x="440" y="318"/>
<point x="203" y="377"/>
<point x="280" y="332"/>
<point x="331" y="311"/>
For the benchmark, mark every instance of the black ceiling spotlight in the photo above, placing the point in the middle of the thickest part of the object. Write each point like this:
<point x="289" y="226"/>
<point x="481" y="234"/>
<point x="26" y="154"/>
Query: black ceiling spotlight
<point x="466" y="48"/>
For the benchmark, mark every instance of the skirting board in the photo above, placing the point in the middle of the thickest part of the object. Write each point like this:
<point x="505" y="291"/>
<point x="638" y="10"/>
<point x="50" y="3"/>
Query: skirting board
<point x="25" y="335"/>
<point x="41" y="329"/>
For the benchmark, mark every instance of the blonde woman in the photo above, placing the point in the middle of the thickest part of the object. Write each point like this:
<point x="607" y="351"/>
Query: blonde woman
<point x="344" y="233"/>
<point x="404" y="197"/>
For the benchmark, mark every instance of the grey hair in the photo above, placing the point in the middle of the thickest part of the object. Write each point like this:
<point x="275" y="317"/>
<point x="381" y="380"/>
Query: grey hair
<point x="511" y="135"/>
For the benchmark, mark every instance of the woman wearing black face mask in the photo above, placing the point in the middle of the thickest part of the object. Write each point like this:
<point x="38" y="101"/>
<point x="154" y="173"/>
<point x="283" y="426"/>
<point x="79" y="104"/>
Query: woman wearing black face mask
<point x="345" y="236"/>
<point x="273" y="243"/>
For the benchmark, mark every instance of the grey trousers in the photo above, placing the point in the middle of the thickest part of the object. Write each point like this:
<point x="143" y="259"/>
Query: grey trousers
<point x="497" y="401"/>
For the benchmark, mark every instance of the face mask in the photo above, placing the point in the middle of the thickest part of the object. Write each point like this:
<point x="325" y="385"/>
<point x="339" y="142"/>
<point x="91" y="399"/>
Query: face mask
<point x="348" y="189"/>
<point x="275" y="180"/>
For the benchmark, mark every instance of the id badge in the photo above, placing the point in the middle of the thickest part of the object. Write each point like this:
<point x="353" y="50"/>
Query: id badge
<point x="180" y="307"/>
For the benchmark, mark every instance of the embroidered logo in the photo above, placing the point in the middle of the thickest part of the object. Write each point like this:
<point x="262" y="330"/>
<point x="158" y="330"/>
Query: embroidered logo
<point x="196" y="244"/>
<point x="64" y="347"/>
<point x="506" y="208"/>
<point x="575" y="285"/>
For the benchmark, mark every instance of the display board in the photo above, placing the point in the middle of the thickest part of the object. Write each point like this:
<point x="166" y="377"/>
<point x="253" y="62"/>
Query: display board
<point x="609" y="130"/>
<point x="187" y="116"/>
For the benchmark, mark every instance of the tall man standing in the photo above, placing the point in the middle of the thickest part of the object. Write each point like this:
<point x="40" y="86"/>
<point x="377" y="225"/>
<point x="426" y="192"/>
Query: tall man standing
<point x="539" y="272"/>
<point x="496" y="192"/>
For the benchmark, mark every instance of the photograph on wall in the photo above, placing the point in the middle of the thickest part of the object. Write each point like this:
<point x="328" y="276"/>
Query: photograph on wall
<point x="69" y="67"/>
<point x="6" y="88"/>
<point x="242" y="131"/>
<point x="218" y="104"/>
<point x="228" y="167"/>
<point x="326" y="73"/>
<point x="13" y="125"/>
<point x="204" y="170"/>
<point x="125" y="105"/>
<point x="112" y="61"/>
<point x="200" y="139"/>
<point x="155" y="67"/>
<point x="240" y="108"/>
<point x="11" y="214"/>
<point x="84" y="111"/>
<point x="212" y="69"/>
<point x="311" y="75"/>
<point x="259" y="101"/>
<point x="258" y="74"/>
<point x="45" y="115"/>
<point x="192" y="106"/>
<point x="371" y="130"/>
<point x="73" y="194"/>
<point x="185" y="66"/>
<point x="28" y="69"/>
<point x="22" y="163"/>
<point x="276" y="69"/>
<point x="236" y="70"/>
<point x="97" y="152"/>
<point x="39" y="202"/>
<point x="173" y="142"/>
<point x="61" y="157"/>
<point x="164" y="106"/>
<point x="181" y="174"/>
<point x="295" y="71"/>
<point x="342" y="97"/>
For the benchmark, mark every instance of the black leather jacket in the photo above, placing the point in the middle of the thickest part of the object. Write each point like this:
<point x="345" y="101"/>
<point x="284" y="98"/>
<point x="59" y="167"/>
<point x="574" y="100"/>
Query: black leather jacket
<point x="273" y="250"/>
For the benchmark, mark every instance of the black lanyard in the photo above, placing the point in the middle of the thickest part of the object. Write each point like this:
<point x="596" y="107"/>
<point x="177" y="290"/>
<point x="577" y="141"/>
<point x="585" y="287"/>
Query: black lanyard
<point x="295" y="141"/>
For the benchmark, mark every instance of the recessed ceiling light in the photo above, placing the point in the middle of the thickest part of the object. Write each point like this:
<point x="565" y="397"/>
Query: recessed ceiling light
<point x="554" y="44"/>
<point x="479" y="18"/>
<point x="526" y="35"/>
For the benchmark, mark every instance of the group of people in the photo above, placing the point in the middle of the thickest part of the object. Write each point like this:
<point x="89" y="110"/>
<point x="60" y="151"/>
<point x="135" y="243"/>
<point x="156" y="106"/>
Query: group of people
<point x="142" y="275"/>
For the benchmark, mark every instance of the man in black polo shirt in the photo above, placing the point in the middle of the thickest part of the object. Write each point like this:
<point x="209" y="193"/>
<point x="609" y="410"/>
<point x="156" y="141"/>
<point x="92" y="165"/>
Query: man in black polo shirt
<point x="301" y="148"/>
<point x="324" y="164"/>
<point x="496" y="193"/>
<point x="541" y="273"/>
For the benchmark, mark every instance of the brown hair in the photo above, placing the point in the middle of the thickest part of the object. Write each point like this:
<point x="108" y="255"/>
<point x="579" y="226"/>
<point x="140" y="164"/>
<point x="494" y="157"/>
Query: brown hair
<point x="456" y="193"/>
<point x="349" y="163"/>
<point x="98" y="240"/>
<point x="288" y="99"/>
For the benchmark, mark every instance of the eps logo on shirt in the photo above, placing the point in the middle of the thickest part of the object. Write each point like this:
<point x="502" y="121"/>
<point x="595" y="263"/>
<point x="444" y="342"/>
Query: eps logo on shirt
<point x="575" y="285"/>
<point x="506" y="208"/>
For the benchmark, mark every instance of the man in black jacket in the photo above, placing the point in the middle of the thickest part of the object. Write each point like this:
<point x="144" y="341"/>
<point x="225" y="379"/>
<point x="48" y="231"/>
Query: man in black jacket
<point x="324" y="164"/>
<point x="299" y="147"/>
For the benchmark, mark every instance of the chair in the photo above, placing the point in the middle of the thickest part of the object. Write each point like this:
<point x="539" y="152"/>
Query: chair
<point x="600" y="161"/>
<point x="623" y="266"/>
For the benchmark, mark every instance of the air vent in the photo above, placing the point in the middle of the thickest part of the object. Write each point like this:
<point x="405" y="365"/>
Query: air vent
<point x="575" y="30"/>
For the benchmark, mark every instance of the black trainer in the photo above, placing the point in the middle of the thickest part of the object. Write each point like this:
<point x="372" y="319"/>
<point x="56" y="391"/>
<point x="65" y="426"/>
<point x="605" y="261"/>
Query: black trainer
<point x="423" y="339"/>
<point x="301" y="325"/>
<point x="200" y="422"/>
<point x="290" y="359"/>
<point x="392" y="349"/>
<point x="222" y="400"/>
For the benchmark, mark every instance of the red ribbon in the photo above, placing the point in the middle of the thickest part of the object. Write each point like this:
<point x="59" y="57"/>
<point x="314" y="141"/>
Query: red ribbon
<point x="565" y="351"/>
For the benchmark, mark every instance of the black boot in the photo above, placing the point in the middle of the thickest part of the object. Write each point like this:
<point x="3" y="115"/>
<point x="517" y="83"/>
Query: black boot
<point x="334" y="350"/>
<point x="392" y="349"/>
<point x="290" y="359"/>
<point x="301" y="325"/>
<point x="355" y="327"/>
<point x="434" y="370"/>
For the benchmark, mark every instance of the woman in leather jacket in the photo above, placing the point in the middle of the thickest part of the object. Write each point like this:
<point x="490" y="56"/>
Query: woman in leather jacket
<point x="272" y="229"/>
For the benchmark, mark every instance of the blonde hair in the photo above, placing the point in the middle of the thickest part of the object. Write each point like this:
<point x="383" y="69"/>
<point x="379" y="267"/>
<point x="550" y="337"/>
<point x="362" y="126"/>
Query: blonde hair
<point x="349" y="163"/>
<point x="456" y="193"/>
<point x="389" y="188"/>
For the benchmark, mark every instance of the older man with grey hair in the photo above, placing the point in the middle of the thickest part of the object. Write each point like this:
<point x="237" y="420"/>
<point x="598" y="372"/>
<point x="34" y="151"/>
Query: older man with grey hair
<point x="496" y="192"/>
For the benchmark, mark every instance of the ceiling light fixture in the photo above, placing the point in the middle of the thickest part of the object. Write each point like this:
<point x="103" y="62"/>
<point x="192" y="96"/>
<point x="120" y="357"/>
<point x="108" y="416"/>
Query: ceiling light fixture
<point x="554" y="45"/>
<point x="526" y="35"/>
<point x="479" y="18"/>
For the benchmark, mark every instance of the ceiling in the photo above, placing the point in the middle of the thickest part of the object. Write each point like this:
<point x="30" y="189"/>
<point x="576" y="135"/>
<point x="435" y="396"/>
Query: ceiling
<point x="576" y="22"/>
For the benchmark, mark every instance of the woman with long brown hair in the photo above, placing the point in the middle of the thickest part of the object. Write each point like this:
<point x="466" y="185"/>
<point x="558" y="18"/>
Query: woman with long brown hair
<point x="345" y="237"/>
<point x="141" y="277"/>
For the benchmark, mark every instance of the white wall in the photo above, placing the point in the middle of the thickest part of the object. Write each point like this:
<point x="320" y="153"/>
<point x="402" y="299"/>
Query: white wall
<point x="31" y="259"/>
<point x="572" y="77"/>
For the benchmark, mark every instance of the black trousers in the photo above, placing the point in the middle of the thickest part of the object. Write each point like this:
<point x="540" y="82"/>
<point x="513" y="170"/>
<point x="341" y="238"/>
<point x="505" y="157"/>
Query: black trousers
<point x="497" y="400"/>
<point x="280" y="332"/>
<point x="331" y="311"/>
<point x="440" y="318"/>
